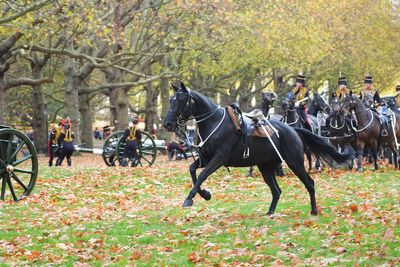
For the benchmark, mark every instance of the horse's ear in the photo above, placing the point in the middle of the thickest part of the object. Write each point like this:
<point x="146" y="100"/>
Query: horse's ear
<point x="333" y="95"/>
<point x="173" y="86"/>
<point x="360" y="96"/>
<point x="183" y="87"/>
<point x="351" y="93"/>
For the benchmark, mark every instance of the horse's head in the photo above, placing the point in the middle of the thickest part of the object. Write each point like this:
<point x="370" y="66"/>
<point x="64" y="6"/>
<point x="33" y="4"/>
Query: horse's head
<point x="320" y="103"/>
<point x="336" y="105"/>
<point x="181" y="107"/>
<point x="390" y="101"/>
<point x="268" y="98"/>
<point x="350" y="102"/>
<point x="288" y="101"/>
<point x="368" y="99"/>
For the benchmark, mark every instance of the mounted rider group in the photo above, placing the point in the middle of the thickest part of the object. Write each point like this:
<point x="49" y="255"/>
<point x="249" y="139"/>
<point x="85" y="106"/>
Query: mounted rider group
<point x="363" y="123"/>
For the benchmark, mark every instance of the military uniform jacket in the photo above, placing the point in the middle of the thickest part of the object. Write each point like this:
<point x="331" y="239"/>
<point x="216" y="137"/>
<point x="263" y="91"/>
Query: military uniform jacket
<point x="132" y="134"/>
<point x="301" y="93"/>
<point x="65" y="137"/>
<point x="342" y="92"/>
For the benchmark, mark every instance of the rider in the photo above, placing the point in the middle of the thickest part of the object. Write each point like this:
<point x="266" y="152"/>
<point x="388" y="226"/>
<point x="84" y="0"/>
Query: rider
<point x="131" y="135"/>
<point x="369" y="90"/>
<point x="301" y="93"/>
<point x="65" y="143"/>
<point x="342" y="90"/>
<point x="54" y="133"/>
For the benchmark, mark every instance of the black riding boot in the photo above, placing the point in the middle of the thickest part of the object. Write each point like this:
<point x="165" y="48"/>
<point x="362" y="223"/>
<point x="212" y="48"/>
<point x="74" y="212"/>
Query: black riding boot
<point x="69" y="161"/>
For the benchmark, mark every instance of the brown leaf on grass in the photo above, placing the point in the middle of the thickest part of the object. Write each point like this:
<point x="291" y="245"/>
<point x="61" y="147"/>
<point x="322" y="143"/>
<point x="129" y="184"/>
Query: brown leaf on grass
<point x="136" y="255"/>
<point x="353" y="208"/>
<point x="194" y="257"/>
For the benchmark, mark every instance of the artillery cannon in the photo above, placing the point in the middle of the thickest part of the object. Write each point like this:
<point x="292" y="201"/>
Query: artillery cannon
<point x="113" y="149"/>
<point x="18" y="164"/>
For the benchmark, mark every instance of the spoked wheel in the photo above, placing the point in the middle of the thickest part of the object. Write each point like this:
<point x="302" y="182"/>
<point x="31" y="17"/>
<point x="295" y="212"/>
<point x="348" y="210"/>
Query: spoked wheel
<point x="18" y="165"/>
<point x="146" y="151"/>
<point x="110" y="148"/>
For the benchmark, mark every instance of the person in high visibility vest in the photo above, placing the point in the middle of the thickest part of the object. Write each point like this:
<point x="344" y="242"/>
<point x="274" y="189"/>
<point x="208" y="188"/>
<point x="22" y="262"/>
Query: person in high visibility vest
<point x="66" y="144"/>
<point x="131" y="136"/>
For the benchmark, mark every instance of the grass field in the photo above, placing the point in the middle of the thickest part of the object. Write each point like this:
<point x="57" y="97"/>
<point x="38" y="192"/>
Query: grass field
<point x="88" y="215"/>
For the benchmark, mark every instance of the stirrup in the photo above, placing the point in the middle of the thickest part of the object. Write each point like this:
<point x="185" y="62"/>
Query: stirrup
<point x="246" y="153"/>
<point x="384" y="133"/>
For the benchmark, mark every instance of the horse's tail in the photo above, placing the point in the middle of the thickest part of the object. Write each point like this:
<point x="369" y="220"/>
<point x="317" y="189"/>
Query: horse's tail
<point x="319" y="147"/>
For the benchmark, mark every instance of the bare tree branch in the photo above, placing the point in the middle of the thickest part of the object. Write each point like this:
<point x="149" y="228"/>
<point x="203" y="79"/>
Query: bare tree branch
<point x="89" y="90"/>
<point x="26" y="81"/>
<point x="33" y="7"/>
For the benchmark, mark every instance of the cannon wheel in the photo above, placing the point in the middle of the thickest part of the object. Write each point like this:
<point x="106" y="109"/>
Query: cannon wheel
<point x="18" y="164"/>
<point x="146" y="150"/>
<point x="110" y="148"/>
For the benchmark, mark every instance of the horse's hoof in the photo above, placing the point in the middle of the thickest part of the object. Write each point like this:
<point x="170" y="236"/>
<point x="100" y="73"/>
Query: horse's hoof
<point x="250" y="174"/>
<point x="314" y="212"/>
<point x="188" y="202"/>
<point x="270" y="213"/>
<point x="205" y="194"/>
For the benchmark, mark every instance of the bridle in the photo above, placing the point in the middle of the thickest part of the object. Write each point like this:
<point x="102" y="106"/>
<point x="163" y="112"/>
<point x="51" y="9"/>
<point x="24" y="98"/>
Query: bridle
<point x="189" y="109"/>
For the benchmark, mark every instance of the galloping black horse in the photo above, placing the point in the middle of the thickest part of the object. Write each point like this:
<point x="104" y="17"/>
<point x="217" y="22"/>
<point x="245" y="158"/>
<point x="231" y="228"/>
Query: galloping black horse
<point x="220" y="146"/>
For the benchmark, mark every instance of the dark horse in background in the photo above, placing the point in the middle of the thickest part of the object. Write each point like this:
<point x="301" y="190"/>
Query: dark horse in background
<point x="340" y="132"/>
<point x="368" y="130"/>
<point x="220" y="146"/>
<point x="292" y="118"/>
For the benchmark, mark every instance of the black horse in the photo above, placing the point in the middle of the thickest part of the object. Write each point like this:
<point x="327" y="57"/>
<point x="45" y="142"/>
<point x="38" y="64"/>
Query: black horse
<point x="292" y="118"/>
<point x="220" y="146"/>
<point x="319" y="109"/>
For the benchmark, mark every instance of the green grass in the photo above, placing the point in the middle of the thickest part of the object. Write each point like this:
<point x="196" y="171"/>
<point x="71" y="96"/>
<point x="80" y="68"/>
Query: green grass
<point x="116" y="216"/>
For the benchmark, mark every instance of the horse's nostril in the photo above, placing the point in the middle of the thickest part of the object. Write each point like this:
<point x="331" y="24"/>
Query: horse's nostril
<point x="167" y="125"/>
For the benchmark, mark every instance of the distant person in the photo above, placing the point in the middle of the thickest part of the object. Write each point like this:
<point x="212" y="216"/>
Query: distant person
<point x="131" y="136"/>
<point x="175" y="146"/>
<point x="96" y="133"/>
<point x="106" y="131"/>
<point x="66" y="144"/>
<point x="52" y="144"/>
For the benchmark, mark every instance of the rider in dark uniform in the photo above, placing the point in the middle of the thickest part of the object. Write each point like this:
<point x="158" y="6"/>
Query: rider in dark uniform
<point x="131" y="136"/>
<point x="52" y="143"/>
<point x="302" y="94"/>
<point x="342" y="91"/>
<point x="369" y="90"/>
<point x="66" y="144"/>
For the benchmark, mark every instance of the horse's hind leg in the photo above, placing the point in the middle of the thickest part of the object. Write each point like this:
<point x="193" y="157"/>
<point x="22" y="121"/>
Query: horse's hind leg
<point x="268" y="172"/>
<point x="192" y="169"/>
<point x="211" y="167"/>
<point x="298" y="169"/>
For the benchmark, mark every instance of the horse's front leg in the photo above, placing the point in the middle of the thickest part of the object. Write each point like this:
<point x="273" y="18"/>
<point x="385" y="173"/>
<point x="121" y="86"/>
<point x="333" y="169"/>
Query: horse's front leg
<point x="211" y="167"/>
<point x="192" y="169"/>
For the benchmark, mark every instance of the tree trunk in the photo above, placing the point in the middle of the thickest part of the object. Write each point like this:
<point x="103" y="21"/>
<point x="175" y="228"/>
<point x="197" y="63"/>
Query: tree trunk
<point x="2" y="98"/>
<point x="113" y="107"/>
<point x="71" y="96"/>
<point x="151" y="106"/>
<point x="164" y="90"/>
<point x="86" y="120"/>
<point x="279" y="87"/>
<point x="40" y="122"/>
<point x="122" y="108"/>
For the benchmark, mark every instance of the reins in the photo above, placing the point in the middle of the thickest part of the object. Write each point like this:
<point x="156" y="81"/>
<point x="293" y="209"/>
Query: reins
<point x="367" y="126"/>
